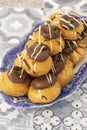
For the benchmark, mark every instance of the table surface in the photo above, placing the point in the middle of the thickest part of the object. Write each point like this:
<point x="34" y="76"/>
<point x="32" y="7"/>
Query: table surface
<point x="69" y="114"/>
<point x="21" y="3"/>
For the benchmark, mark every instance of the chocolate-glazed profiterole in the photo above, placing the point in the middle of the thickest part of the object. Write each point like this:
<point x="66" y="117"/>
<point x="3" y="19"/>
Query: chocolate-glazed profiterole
<point x="35" y="60"/>
<point x="70" y="46"/>
<point x="14" y="86"/>
<point x="77" y="55"/>
<point x="66" y="74"/>
<point x="83" y="37"/>
<point x="51" y="36"/>
<point x="69" y="21"/>
<point x="44" y="81"/>
<point x="59" y="61"/>
<point x="55" y="15"/>
<point x="44" y="89"/>
<point x="38" y="52"/>
<point x="70" y="25"/>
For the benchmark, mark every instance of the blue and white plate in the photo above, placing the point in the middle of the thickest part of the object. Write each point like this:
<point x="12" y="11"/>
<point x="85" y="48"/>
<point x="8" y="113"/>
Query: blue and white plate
<point x="79" y="76"/>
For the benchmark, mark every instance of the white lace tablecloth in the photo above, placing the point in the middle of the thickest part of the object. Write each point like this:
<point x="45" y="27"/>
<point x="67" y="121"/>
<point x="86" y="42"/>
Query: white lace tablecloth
<point x="69" y="114"/>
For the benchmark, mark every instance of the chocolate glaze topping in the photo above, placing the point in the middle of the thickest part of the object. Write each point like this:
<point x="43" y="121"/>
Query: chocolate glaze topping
<point x="84" y="33"/>
<point x="44" y="81"/>
<point x="38" y="52"/>
<point x="70" y="46"/>
<point x="50" y="31"/>
<point x="59" y="61"/>
<point x="70" y="21"/>
<point x="17" y="76"/>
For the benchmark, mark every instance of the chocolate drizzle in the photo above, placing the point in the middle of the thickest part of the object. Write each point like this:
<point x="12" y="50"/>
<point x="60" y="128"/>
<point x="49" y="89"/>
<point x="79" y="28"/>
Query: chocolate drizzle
<point x="17" y="77"/>
<point x="44" y="97"/>
<point x="84" y="33"/>
<point x="38" y="52"/>
<point x="44" y="81"/>
<point x="69" y="21"/>
<point x="50" y="32"/>
<point x="26" y="63"/>
<point x="59" y="61"/>
<point x="70" y="46"/>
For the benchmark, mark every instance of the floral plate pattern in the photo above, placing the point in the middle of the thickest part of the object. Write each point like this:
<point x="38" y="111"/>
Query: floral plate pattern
<point x="67" y="91"/>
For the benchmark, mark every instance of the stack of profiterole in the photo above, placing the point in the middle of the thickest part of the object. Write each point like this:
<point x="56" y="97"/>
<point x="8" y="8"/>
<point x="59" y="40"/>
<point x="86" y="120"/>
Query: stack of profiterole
<point x="46" y="64"/>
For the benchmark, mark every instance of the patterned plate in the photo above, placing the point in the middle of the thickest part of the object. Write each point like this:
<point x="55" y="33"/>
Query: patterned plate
<point x="67" y="91"/>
